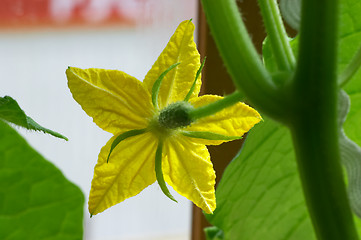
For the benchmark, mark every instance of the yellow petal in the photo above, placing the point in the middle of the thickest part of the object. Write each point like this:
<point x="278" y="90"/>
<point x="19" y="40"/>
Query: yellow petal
<point x="129" y="171"/>
<point x="188" y="169"/>
<point x="116" y="101"/>
<point x="176" y="84"/>
<point x="232" y="121"/>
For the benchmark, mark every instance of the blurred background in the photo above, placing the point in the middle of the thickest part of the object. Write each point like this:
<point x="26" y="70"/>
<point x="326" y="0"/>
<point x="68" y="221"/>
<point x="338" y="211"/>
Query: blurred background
<point x="39" y="39"/>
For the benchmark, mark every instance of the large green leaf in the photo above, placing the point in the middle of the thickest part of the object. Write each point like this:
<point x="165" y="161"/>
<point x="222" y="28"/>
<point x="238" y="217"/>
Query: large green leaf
<point x="10" y="111"/>
<point x="36" y="200"/>
<point x="260" y="196"/>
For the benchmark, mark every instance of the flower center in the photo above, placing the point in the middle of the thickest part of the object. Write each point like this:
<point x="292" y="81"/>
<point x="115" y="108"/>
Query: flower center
<point x="170" y="118"/>
<point x="175" y="115"/>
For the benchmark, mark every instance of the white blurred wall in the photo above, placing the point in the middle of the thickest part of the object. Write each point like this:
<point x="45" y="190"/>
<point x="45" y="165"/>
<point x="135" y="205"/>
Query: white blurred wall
<point x="32" y="70"/>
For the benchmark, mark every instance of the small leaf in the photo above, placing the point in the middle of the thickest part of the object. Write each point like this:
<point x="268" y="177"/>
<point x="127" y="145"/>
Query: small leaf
<point x="10" y="111"/>
<point x="36" y="200"/>
<point x="213" y="233"/>
<point x="268" y="57"/>
<point x="278" y="77"/>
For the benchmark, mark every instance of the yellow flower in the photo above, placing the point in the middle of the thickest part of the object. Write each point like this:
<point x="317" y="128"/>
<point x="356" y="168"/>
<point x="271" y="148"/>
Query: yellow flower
<point x="123" y="106"/>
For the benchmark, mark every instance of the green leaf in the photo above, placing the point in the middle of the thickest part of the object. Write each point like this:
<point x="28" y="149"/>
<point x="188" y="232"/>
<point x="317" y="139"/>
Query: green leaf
<point x="268" y="58"/>
<point x="213" y="233"/>
<point x="291" y="12"/>
<point x="260" y="194"/>
<point x="278" y="77"/>
<point x="350" y="139"/>
<point x="350" y="41"/>
<point x="36" y="200"/>
<point x="10" y="111"/>
<point x="350" y="157"/>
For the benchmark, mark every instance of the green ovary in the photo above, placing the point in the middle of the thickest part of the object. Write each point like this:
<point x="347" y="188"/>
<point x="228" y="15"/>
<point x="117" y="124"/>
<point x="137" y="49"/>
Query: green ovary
<point x="167" y="121"/>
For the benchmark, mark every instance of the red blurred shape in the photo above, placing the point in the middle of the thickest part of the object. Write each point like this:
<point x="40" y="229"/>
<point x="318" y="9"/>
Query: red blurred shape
<point x="35" y="13"/>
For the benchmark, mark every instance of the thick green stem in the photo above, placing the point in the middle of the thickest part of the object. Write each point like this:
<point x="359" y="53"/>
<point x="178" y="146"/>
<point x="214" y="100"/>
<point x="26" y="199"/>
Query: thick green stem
<point x="216" y="106"/>
<point x="277" y="35"/>
<point x="313" y="122"/>
<point x="241" y="58"/>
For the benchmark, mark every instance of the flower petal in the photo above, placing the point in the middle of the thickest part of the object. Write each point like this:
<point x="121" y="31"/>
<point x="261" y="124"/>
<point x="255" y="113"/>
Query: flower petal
<point x="177" y="83"/>
<point x="188" y="169"/>
<point x="129" y="171"/>
<point x="116" y="101"/>
<point x="231" y="122"/>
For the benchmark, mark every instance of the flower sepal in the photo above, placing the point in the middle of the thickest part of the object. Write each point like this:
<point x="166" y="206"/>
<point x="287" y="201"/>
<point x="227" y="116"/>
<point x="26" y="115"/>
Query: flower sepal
<point x="159" y="172"/>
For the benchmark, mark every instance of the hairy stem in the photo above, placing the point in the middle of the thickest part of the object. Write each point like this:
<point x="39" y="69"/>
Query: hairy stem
<point x="241" y="58"/>
<point x="277" y="35"/>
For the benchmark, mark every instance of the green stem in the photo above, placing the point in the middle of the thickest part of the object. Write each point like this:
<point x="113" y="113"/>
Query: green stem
<point x="277" y="34"/>
<point x="216" y="106"/>
<point x="314" y="122"/>
<point x="351" y="69"/>
<point x="241" y="58"/>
